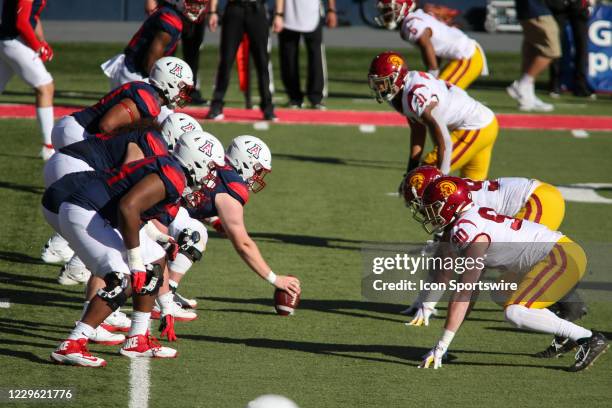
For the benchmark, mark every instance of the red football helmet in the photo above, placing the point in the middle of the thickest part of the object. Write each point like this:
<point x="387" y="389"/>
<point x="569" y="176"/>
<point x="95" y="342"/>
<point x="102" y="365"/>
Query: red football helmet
<point x="386" y="76"/>
<point x="415" y="184"/>
<point x="443" y="200"/>
<point x="193" y="10"/>
<point x="391" y="12"/>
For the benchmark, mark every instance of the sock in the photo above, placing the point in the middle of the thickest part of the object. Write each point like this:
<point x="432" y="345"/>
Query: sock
<point x="545" y="321"/>
<point x="140" y="323"/>
<point x="166" y="302"/>
<point x="45" y="119"/>
<point x="85" y="306"/>
<point x="81" y="331"/>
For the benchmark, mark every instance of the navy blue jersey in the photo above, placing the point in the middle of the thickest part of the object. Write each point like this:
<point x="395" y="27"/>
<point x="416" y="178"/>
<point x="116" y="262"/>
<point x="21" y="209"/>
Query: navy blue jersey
<point x="102" y="191"/>
<point x="106" y="152"/>
<point x="229" y="182"/>
<point x="165" y="18"/>
<point x="141" y="93"/>
<point x="8" y="28"/>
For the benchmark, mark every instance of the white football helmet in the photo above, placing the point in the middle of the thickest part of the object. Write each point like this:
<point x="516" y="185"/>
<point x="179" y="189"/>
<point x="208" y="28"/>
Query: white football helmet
<point x="192" y="9"/>
<point x="173" y="77"/>
<point x="271" y="401"/>
<point x="175" y="125"/>
<point x="200" y="153"/>
<point x="252" y="159"/>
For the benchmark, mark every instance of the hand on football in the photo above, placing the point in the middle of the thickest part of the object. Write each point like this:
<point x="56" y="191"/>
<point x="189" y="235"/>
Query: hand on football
<point x="289" y="284"/>
<point x="434" y="356"/>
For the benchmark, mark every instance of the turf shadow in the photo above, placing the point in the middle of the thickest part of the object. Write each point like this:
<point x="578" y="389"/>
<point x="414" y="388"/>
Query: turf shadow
<point x="41" y="298"/>
<point x="24" y="355"/>
<point x="22" y="187"/>
<point x="399" y="353"/>
<point x="19" y="257"/>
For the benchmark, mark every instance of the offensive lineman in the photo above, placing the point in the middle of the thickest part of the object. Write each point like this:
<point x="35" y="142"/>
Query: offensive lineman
<point x="435" y="40"/>
<point x="463" y="130"/>
<point x="24" y="51"/>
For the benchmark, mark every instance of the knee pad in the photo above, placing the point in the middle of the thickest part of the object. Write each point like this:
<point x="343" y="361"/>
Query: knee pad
<point x="155" y="279"/>
<point x="115" y="292"/>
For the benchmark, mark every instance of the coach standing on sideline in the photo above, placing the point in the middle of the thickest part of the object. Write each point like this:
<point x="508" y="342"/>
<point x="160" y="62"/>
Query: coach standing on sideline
<point x="303" y="18"/>
<point x="192" y="38"/>
<point x="240" y="17"/>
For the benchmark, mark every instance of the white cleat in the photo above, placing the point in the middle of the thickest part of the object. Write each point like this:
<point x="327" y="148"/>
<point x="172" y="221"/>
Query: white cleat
<point x="74" y="352"/>
<point x="71" y="275"/>
<point x="46" y="152"/>
<point x="117" y="321"/>
<point x="103" y="336"/>
<point x="174" y="309"/>
<point x="146" y="346"/>
<point x="54" y="254"/>
<point x="184" y="302"/>
<point x="514" y="90"/>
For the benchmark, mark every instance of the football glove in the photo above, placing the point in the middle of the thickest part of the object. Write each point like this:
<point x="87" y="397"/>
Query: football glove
<point x="171" y="247"/>
<point x="166" y="327"/>
<point x="434" y="356"/>
<point x="45" y="52"/>
<point x="421" y="317"/>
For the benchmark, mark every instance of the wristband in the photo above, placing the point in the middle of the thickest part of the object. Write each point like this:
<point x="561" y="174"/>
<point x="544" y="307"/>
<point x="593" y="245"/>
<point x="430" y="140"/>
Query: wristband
<point x="330" y="10"/>
<point x="134" y="259"/>
<point x="212" y="12"/>
<point x="271" y="278"/>
<point x="446" y="339"/>
<point x="279" y="14"/>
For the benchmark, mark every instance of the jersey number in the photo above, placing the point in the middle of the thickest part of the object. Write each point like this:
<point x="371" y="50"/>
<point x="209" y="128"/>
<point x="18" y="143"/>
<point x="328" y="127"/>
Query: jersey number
<point x="477" y="185"/>
<point x="491" y="215"/>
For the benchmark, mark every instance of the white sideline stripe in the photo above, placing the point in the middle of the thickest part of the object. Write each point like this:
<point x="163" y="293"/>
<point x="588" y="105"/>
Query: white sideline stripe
<point x="580" y="134"/>
<point x="5" y="303"/>
<point x="367" y="128"/>
<point x="140" y="381"/>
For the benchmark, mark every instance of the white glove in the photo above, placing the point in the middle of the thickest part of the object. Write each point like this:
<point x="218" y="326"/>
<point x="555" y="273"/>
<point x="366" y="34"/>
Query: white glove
<point x="434" y="356"/>
<point x="421" y="317"/>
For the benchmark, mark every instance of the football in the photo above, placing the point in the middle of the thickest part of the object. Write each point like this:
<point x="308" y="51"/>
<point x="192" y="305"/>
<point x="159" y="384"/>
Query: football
<point x="284" y="303"/>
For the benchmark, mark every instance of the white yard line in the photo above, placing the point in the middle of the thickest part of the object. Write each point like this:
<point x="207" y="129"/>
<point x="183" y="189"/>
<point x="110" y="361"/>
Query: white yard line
<point x="5" y="303"/>
<point x="140" y="381"/>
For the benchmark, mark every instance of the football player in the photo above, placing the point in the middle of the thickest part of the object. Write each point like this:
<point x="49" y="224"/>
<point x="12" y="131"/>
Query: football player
<point x="463" y="130"/>
<point x="101" y="213"/>
<point x="158" y="37"/>
<point x="170" y="84"/>
<point x="435" y="40"/>
<point x="24" y="51"/>
<point x="249" y="160"/>
<point x="517" y="197"/>
<point x="549" y="265"/>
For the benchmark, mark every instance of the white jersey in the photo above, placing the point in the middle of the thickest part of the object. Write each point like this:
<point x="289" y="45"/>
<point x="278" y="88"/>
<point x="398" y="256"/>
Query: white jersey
<point x="506" y="195"/>
<point x="448" y="42"/>
<point x="456" y="108"/>
<point x="516" y="244"/>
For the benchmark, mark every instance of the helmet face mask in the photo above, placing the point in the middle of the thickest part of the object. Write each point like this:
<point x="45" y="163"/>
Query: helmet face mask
<point x="183" y="97"/>
<point x="386" y="75"/>
<point x="195" y="10"/>
<point x="431" y="219"/>
<point x="443" y="200"/>
<point x="174" y="79"/>
<point x="392" y="12"/>
<point x="252" y="160"/>
<point x="199" y="153"/>
<point x="384" y="88"/>
<point x="256" y="181"/>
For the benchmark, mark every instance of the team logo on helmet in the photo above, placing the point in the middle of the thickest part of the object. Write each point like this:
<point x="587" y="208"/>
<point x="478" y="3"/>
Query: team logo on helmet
<point x="189" y="127"/>
<point x="254" y="150"/>
<point x="417" y="180"/>
<point x="447" y="188"/>
<point x="395" y="59"/>
<point x="206" y="148"/>
<point x="177" y="70"/>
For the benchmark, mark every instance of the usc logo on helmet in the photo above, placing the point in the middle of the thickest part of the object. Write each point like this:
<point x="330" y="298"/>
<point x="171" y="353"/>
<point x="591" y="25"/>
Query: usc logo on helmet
<point x="416" y="181"/>
<point x="396" y="60"/>
<point x="447" y="188"/>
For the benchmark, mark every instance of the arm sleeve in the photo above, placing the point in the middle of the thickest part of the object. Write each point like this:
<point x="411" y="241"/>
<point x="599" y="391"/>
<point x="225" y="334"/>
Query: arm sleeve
<point x="24" y="10"/>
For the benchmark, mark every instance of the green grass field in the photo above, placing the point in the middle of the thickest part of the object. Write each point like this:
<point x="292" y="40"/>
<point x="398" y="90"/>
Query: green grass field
<point x="326" y="199"/>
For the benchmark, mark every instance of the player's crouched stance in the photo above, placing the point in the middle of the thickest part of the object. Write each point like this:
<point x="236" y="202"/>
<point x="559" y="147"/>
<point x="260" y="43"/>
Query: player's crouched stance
<point x="100" y="214"/>
<point x="553" y="265"/>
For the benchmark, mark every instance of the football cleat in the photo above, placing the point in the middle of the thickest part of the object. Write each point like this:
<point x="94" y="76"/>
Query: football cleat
<point x="588" y="351"/>
<point x="557" y="348"/>
<point x="73" y="275"/>
<point x="146" y="346"/>
<point x="103" y="336"/>
<point x="184" y="302"/>
<point x="74" y="352"/>
<point x="175" y="310"/>
<point x="54" y="253"/>
<point x="117" y="321"/>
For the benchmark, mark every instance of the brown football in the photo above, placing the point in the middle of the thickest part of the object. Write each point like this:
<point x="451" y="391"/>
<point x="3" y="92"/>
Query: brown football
<point x="284" y="303"/>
